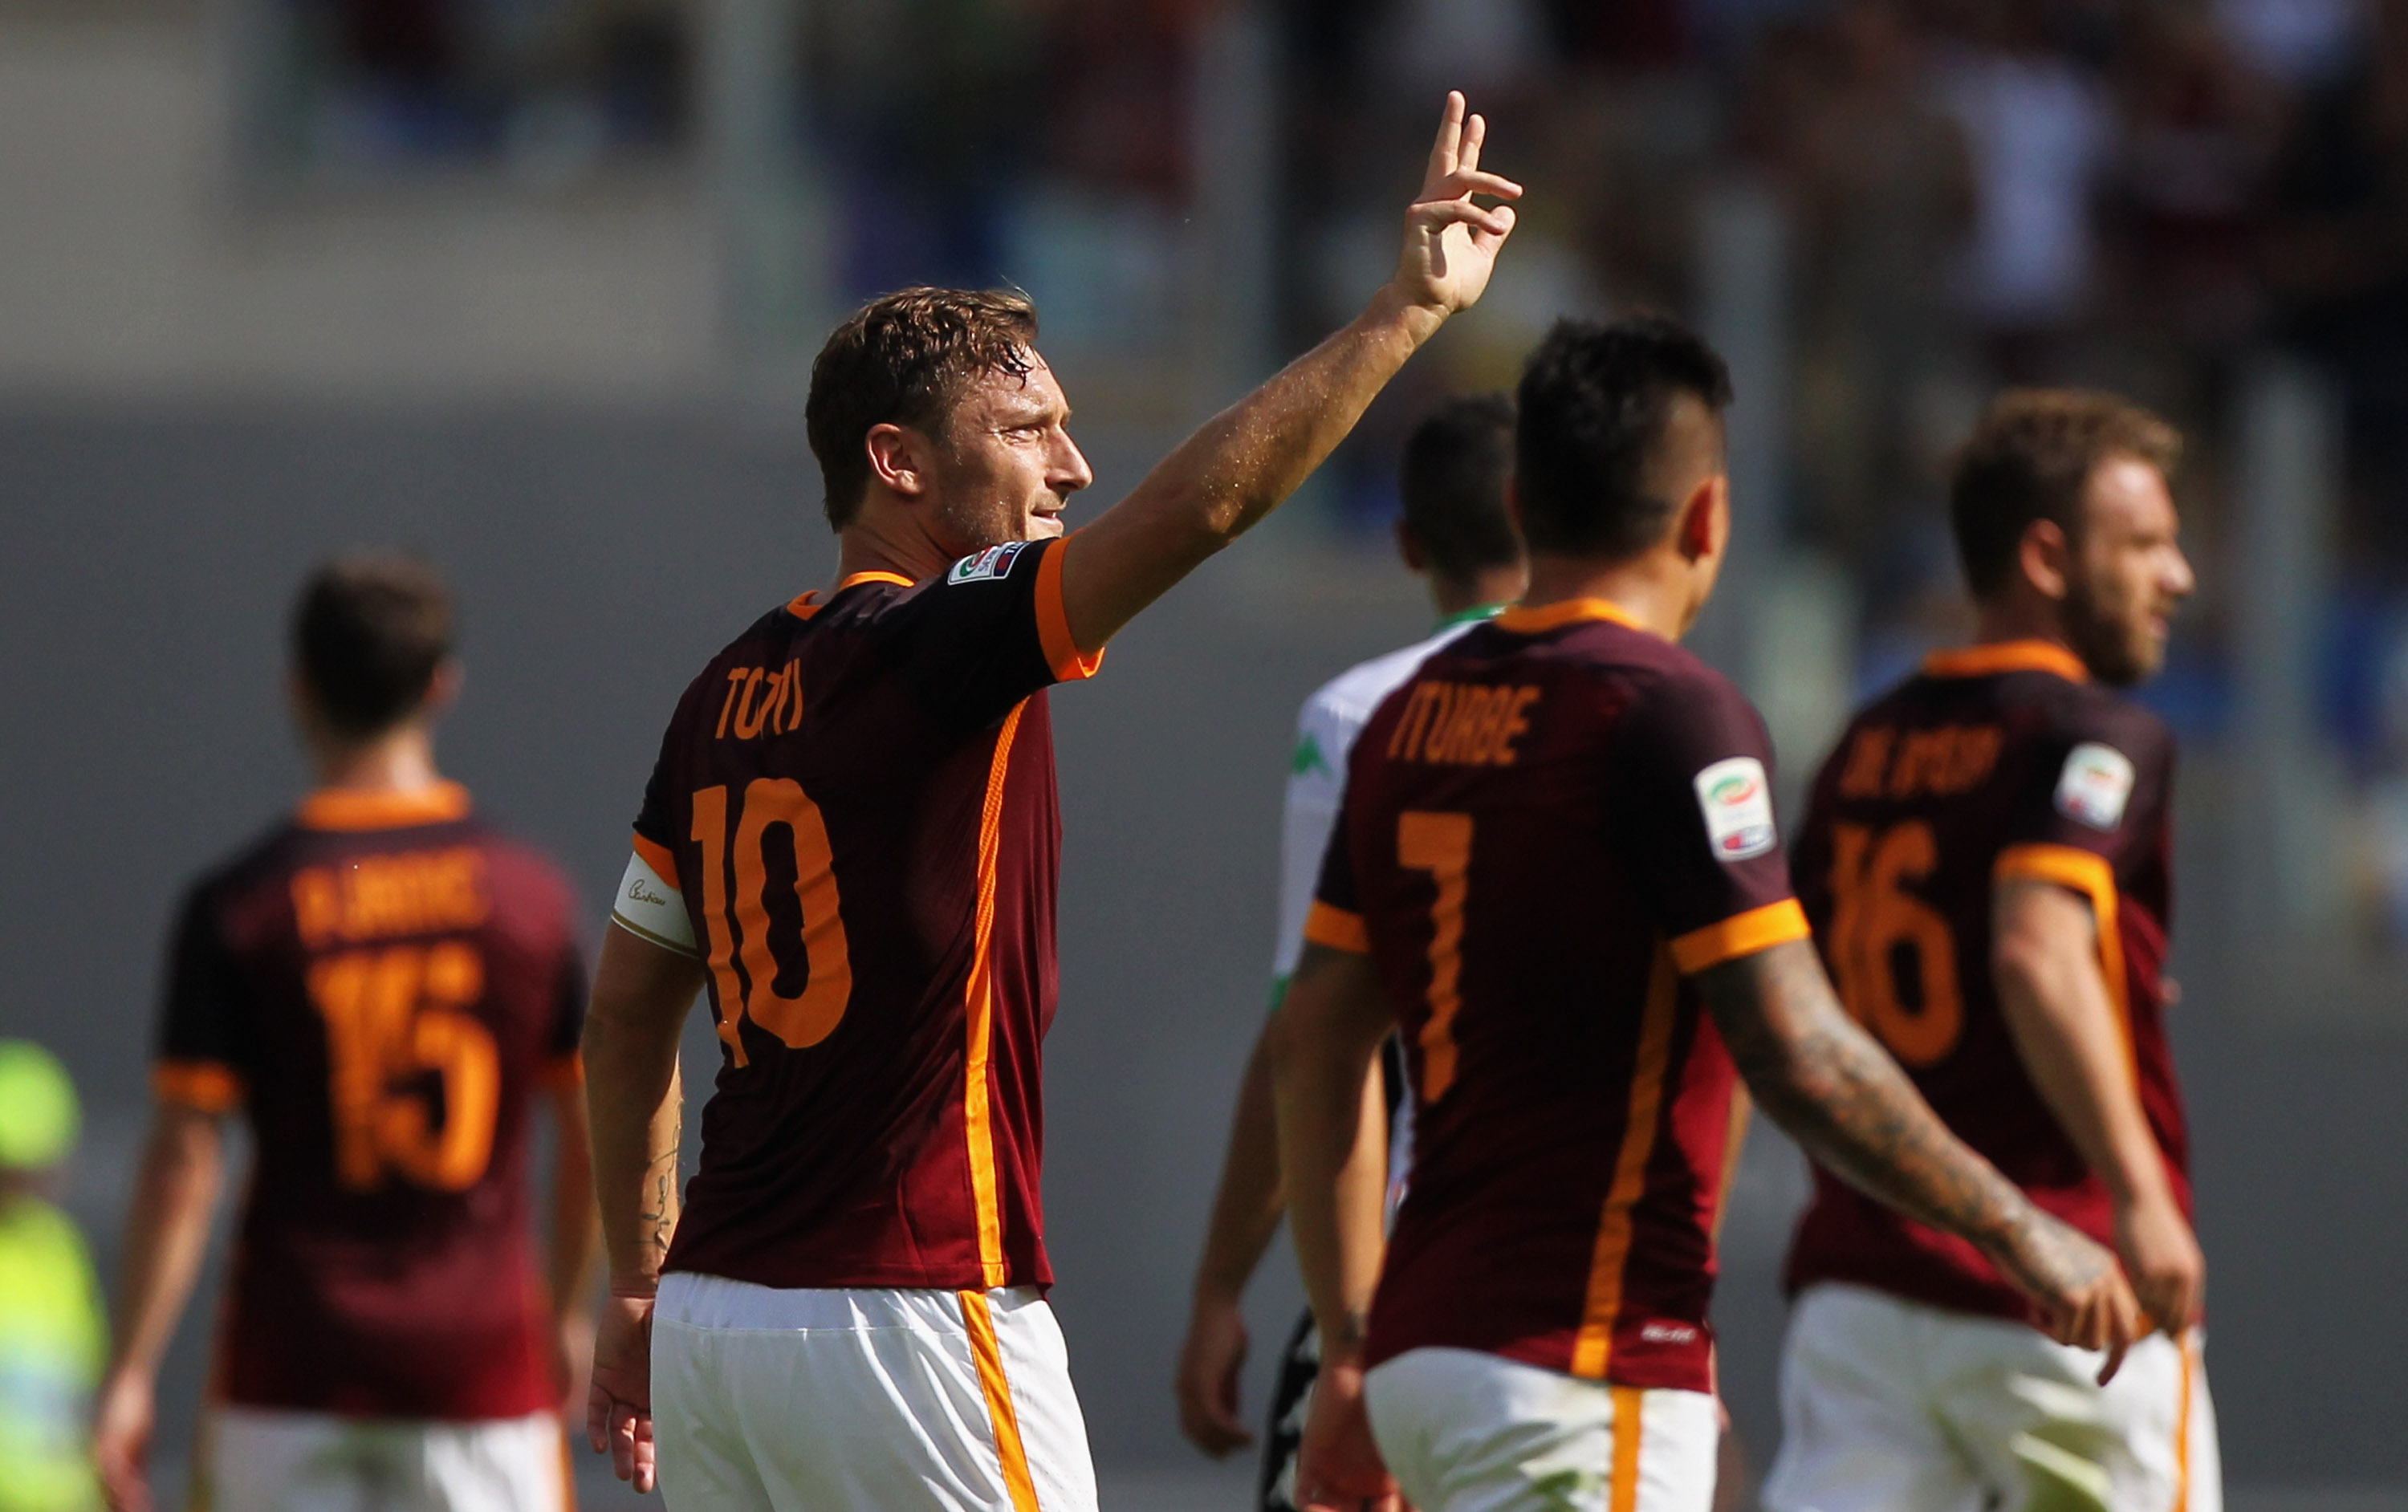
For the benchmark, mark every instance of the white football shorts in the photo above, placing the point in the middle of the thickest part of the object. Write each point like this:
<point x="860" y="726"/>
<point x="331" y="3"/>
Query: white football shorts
<point x="1462" y="1431"/>
<point x="1890" y="1403"/>
<point x="264" y="1461"/>
<point x="870" y="1400"/>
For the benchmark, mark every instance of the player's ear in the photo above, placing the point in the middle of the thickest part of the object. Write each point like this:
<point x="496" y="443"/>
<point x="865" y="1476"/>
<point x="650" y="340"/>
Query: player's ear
<point x="1702" y="531"/>
<point x="1409" y="545"/>
<point x="897" y="458"/>
<point x="2045" y="558"/>
<point x="444" y="687"/>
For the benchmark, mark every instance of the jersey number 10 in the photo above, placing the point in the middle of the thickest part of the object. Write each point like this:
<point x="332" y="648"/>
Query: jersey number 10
<point x="811" y="1015"/>
<point x="1881" y="933"/>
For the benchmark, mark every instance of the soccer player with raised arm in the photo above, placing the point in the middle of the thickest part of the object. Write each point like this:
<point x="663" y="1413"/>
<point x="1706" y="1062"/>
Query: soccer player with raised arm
<point x="1557" y="875"/>
<point x="1457" y="533"/>
<point x="1986" y="860"/>
<point x="387" y="989"/>
<point x="851" y="840"/>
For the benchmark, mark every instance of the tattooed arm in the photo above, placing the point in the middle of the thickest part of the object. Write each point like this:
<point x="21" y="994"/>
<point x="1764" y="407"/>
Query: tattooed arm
<point x="635" y="1104"/>
<point x="1840" y="1095"/>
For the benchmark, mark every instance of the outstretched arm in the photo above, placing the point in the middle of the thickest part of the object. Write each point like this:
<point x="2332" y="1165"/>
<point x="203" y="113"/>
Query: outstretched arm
<point x="167" y="1233"/>
<point x="1824" y="1080"/>
<point x="641" y="993"/>
<point x="2055" y="998"/>
<point x="1247" y="459"/>
<point x="1324" y="1043"/>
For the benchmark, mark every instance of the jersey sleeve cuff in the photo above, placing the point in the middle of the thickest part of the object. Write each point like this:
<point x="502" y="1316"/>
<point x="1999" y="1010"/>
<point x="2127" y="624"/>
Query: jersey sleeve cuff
<point x="2086" y="872"/>
<point x="1337" y="929"/>
<point x="1758" y="929"/>
<point x="202" y="1086"/>
<point x="1062" y="653"/>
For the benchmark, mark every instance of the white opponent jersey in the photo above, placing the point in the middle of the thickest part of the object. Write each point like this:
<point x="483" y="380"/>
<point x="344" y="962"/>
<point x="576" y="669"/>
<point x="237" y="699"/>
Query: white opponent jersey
<point x="1326" y="729"/>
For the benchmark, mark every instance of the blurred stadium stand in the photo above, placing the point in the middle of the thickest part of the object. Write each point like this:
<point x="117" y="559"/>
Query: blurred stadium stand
<point x="533" y="285"/>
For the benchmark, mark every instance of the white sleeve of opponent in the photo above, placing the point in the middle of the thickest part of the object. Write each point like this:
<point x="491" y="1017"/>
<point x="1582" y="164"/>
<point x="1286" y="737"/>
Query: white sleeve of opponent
<point x="1316" y="785"/>
<point x="650" y="909"/>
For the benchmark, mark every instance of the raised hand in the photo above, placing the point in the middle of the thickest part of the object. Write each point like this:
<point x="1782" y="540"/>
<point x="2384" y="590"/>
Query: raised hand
<point x="1450" y="242"/>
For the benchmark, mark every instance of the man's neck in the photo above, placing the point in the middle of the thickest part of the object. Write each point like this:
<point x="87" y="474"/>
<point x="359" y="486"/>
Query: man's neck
<point x="398" y="760"/>
<point x="2018" y="617"/>
<point x="1653" y="589"/>
<point x="1454" y="597"/>
<point x="880" y="540"/>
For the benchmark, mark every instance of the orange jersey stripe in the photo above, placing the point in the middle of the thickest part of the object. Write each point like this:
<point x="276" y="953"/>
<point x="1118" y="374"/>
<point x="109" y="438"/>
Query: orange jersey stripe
<point x="1758" y="929"/>
<point x="1572" y="611"/>
<point x="1062" y="653"/>
<point x="2006" y="656"/>
<point x="662" y="859"/>
<point x="202" y="1086"/>
<point x="1337" y="929"/>
<point x="2089" y="874"/>
<point x="1593" y="1348"/>
<point x="996" y="1386"/>
<point x="977" y="1126"/>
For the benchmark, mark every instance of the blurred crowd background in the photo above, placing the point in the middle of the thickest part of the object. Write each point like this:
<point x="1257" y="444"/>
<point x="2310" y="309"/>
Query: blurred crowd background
<point x="533" y="285"/>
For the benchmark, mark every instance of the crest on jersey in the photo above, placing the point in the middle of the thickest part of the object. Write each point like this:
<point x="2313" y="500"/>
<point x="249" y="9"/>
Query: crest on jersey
<point x="2095" y="785"/>
<point x="1737" y="803"/>
<point x="992" y="562"/>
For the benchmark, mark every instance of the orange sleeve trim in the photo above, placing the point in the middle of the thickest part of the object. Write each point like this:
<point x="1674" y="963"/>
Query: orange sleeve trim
<point x="659" y="859"/>
<point x="1337" y="929"/>
<point x="563" y="1072"/>
<point x="2087" y="873"/>
<point x="202" y="1086"/>
<point x="1062" y="653"/>
<point x="1758" y="929"/>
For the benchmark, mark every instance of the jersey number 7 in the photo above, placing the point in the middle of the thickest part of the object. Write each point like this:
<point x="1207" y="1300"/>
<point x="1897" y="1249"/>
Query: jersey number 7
<point x="1881" y="932"/>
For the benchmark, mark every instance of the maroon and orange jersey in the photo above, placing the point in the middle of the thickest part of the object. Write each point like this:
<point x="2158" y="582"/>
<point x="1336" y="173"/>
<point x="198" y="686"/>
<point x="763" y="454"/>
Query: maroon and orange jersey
<point x="2003" y="761"/>
<point x="381" y="986"/>
<point x="856" y="801"/>
<point x="1546" y="831"/>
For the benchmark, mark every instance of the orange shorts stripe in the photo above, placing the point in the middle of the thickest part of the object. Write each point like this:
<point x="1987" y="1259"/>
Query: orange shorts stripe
<point x="2189" y="1343"/>
<point x="1629" y="1427"/>
<point x="1335" y="929"/>
<point x="1758" y="929"/>
<point x="660" y="859"/>
<point x="202" y="1086"/>
<point x="1062" y="653"/>
<point x="988" y="1351"/>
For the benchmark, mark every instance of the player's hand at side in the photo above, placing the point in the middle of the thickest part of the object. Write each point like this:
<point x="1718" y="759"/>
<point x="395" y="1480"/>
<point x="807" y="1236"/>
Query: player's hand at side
<point x="120" y="1441"/>
<point x="1209" y="1363"/>
<point x="618" y="1406"/>
<point x="1450" y="241"/>
<point x="2162" y="1256"/>
<point x="1338" y="1467"/>
<point x="2081" y="1291"/>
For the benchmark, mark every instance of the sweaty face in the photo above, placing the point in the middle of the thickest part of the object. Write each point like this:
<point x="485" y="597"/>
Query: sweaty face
<point x="2128" y="575"/>
<point x="1005" y="463"/>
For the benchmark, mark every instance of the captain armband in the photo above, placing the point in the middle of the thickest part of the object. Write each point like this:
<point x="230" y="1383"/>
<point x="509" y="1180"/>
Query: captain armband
<point x="651" y="908"/>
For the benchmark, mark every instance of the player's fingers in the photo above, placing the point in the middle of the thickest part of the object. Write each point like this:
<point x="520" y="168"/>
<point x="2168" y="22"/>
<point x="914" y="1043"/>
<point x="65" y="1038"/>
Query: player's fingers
<point x="1475" y="131"/>
<point x="648" y="1473"/>
<point x="1463" y="181"/>
<point x="598" y="1418"/>
<point x="1450" y="138"/>
<point x="623" y="1441"/>
<point x="1437" y="215"/>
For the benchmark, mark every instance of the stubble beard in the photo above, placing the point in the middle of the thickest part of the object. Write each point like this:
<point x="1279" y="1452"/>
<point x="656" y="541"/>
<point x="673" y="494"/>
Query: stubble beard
<point x="2119" y="652"/>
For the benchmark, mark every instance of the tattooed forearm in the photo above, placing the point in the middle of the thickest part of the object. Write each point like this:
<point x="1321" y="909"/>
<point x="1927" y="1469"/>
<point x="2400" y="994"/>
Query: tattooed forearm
<point x="1840" y="1095"/>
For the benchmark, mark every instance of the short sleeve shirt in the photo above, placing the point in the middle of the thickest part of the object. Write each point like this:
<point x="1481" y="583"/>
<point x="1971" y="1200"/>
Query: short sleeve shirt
<point x="2002" y="762"/>
<point x="382" y="987"/>
<point x="854" y="804"/>
<point x="1555" y="822"/>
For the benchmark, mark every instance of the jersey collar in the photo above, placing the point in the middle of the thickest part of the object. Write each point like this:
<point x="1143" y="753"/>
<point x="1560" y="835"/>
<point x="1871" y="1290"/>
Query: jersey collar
<point x="1465" y="616"/>
<point x="806" y="604"/>
<point x="2006" y="656"/>
<point x="1571" y="611"/>
<point x="345" y="808"/>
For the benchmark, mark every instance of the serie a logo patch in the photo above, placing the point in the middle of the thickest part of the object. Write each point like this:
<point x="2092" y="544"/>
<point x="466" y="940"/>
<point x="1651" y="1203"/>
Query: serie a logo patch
<point x="1737" y="803"/>
<point x="993" y="562"/>
<point x="2095" y="785"/>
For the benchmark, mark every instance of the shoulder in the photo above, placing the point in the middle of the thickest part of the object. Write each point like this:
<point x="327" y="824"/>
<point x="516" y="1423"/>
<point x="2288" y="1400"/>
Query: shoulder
<point x="521" y="869"/>
<point x="2072" y="714"/>
<point x="1351" y="696"/>
<point x="266" y="854"/>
